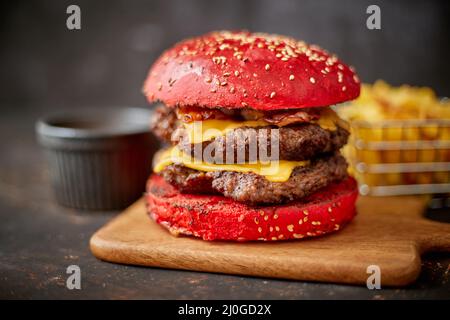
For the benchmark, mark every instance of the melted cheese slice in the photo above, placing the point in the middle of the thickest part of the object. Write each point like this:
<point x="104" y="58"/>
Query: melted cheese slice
<point x="329" y="120"/>
<point x="275" y="171"/>
<point x="200" y="131"/>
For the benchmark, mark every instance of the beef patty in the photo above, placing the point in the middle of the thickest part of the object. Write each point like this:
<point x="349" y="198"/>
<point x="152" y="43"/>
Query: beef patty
<point x="299" y="142"/>
<point x="296" y="142"/>
<point x="254" y="189"/>
<point x="164" y="122"/>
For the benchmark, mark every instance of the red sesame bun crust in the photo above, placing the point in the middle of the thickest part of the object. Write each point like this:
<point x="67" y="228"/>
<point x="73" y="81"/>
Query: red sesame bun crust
<point x="242" y="69"/>
<point x="220" y="218"/>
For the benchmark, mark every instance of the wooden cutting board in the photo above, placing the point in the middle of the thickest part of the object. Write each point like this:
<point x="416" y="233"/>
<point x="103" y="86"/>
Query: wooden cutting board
<point x="388" y="232"/>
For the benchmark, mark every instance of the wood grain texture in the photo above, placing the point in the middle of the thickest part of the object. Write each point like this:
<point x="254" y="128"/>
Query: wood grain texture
<point x="388" y="232"/>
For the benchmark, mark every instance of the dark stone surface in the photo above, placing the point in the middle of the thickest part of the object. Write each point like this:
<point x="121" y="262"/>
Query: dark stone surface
<point x="39" y="239"/>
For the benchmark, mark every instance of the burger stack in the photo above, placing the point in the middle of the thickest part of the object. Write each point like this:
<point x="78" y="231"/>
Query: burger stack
<point x="252" y="143"/>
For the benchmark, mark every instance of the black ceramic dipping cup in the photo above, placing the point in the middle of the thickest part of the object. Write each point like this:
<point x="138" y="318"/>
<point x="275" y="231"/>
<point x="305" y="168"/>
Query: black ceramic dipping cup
<point x="98" y="159"/>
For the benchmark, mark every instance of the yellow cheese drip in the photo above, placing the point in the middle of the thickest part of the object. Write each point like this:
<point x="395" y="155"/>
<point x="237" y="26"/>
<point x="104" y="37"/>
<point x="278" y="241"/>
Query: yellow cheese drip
<point x="200" y="131"/>
<point x="275" y="171"/>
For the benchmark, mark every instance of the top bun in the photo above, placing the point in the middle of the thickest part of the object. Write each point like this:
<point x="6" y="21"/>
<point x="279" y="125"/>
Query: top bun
<point x="255" y="70"/>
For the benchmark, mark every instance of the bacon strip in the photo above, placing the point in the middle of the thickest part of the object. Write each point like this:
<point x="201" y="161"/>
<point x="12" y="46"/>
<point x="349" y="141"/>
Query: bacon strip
<point x="295" y="116"/>
<point x="279" y="118"/>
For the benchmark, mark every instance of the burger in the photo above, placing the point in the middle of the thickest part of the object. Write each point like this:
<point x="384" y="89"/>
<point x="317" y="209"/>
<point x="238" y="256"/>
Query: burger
<point x="251" y="138"/>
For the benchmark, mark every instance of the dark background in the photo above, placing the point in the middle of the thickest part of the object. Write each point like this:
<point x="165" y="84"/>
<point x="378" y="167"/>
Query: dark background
<point x="44" y="65"/>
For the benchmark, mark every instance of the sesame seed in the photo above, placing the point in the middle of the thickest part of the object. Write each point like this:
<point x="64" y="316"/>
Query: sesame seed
<point x="300" y="221"/>
<point x="277" y="228"/>
<point x="261" y="212"/>
<point x="271" y="229"/>
<point x="298" y="236"/>
<point x="284" y="59"/>
<point x="272" y="94"/>
<point x="289" y="51"/>
<point x="310" y="234"/>
<point x="245" y="105"/>
<point x="223" y="83"/>
<point x="305" y="219"/>
<point x="275" y="216"/>
<point x="312" y="80"/>
<point x="274" y="239"/>
<point x="232" y="90"/>
<point x="213" y="90"/>
<point x="290" y="227"/>
<point x="227" y="74"/>
<point x="266" y="218"/>
<point x="291" y="77"/>
<point x="219" y="60"/>
<point x="267" y="67"/>
<point x="305" y="212"/>
<point x="344" y="88"/>
<point x="329" y="209"/>
<point x="171" y="81"/>
<point x="280" y="236"/>
<point x="236" y="73"/>
<point x="259" y="229"/>
<point x="256" y="220"/>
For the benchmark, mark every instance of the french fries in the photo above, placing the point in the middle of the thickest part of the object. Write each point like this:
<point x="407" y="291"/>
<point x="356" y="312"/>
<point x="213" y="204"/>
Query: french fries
<point x="400" y="136"/>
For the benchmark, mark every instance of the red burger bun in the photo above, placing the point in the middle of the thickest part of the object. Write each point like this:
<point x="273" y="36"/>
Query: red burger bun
<point x="255" y="70"/>
<point x="219" y="218"/>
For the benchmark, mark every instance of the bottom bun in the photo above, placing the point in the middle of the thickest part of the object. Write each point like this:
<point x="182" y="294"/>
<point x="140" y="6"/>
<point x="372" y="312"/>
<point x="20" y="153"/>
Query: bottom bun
<point x="213" y="217"/>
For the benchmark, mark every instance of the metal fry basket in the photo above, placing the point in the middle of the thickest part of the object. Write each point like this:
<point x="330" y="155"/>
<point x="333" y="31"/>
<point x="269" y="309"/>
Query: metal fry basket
<point x="400" y="157"/>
